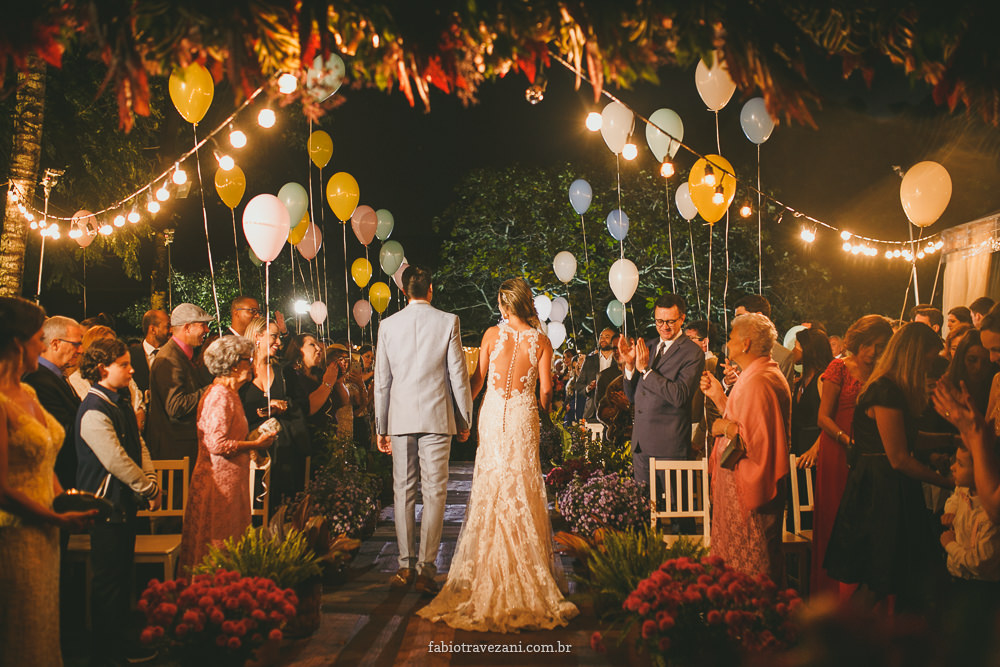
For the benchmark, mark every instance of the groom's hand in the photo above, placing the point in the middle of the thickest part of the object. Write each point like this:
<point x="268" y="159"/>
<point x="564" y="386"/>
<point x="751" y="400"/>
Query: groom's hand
<point x="384" y="444"/>
<point x="463" y="435"/>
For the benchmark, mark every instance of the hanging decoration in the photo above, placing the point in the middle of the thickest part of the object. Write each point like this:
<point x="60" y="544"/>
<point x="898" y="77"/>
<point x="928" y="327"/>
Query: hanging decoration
<point x="712" y="186"/>
<point x="378" y="296"/>
<point x="618" y="224"/>
<point x="191" y="90"/>
<point x="320" y="147"/>
<point x="616" y="312"/>
<point x="296" y="200"/>
<point x="83" y="228"/>
<point x="361" y="271"/>
<point x="616" y="126"/>
<point x="362" y="312"/>
<point x="390" y="258"/>
<point x="265" y="225"/>
<point x="756" y="122"/>
<point x="564" y="265"/>
<point x="543" y="306"/>
<point x="311" y="242"/>
<point x="323" y="79"/>
<point x="664" y="143"/>
<point x="556" y="331"/>
<point x="925" y="193"/>
<point x="624" y="279"/>
<point x="364" y="222"/>
<point x="342" y="194"/>
<point x="714" y="84"/>
<point x="231" y="185"/>
<point x="385" y="224"/>
<point x="318" y="312"/>
<point x="558" y="309"/>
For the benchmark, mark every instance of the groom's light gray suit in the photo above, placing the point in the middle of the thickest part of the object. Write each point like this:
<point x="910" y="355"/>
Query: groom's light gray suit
<point x="422" y="398"/>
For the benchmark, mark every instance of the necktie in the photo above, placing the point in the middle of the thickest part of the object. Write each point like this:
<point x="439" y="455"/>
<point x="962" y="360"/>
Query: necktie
<point x="656" y="356"/>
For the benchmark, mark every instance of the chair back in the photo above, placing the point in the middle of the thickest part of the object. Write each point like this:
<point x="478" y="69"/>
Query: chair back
<point x="685" y="492"/>
<point x="802" y="498"/>
<point x="596" y="431"/>
<point x="172" y="475"/>
<point x="260" y="490"/>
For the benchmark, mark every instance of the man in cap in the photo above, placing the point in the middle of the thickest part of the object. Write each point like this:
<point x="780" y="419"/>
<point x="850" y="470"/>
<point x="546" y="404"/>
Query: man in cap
<point x="175" y="389"/>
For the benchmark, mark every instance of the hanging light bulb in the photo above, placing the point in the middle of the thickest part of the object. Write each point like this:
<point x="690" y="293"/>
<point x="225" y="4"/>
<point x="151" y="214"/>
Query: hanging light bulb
<point x="134" y="217"/>
<point x="119" y="220"/>
<point x="29" y="217"/>
<point x="266" y="118"/>
<point x="846" y="235"/>
<point x="847" y="247"/>
<point x="745" y="212"/>
<point x="34" y="225"/>
<point x="629" y="151"/>
<point x="718" y="197"/>
<point x="888" y="254"/>
<point x="856" y="249"/>
<point x="237" y="138"/>
<point x="808" y="235"/>
<point x="375" y="40"/>
<point x="153" y="206"/>
<point x="54" y="232"/>
<point x="709" y="177"/>
<point x="163" y="194"/>
<point x="106" y="229"/>
<point x="594" y="121"/>
<point x="180" y="176"/>
<point x="287" y="83"/>
<point x="667" y="169"/>
<point x="225" y="162"/>
<point x="920" y="254"/>
<point x="75" y="232"/>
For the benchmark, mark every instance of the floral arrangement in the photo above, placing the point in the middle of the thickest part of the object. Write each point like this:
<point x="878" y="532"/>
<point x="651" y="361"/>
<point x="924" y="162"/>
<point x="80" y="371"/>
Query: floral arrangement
<point x="559" y="477"/>
<point x="347" y="497"/>
<point x="550" y="442"/>
<point x="704" y="612"/>
<point x="604" y="499"/>
<point x="606" y="455"/>
<point x="286" y="560"/>
<point x="215" y="618"/>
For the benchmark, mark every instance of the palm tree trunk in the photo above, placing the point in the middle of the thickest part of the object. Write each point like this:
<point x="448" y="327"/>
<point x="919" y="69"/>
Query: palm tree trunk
<point x="28" y="117"/>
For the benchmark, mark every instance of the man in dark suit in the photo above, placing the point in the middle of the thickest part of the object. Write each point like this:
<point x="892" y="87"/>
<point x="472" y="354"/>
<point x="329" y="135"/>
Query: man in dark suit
<point x="174" y="387"/>
<point x="156" y="332"/>
<point x="241" y="312"/>
<point x="661" y="378"/>
<point x="62" y="337"/>
<point x="597" y="362"/>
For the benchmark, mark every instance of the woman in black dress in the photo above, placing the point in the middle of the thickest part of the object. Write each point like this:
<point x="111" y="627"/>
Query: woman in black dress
<point x="883" y="538"/>
<point x="812" y="350"/>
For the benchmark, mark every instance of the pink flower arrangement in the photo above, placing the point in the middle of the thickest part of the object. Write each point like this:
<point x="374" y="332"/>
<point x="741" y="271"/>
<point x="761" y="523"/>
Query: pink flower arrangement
<point x="705" y="612"/>
<point x="222" y="616"/>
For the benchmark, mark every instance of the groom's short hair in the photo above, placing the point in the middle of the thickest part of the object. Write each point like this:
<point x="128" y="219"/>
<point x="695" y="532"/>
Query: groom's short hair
<point x="416" y="281"/>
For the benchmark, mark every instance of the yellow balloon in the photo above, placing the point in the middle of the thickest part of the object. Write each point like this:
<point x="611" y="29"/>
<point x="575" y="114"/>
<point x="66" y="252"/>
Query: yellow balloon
<point x="342" y="194"/>
<point x="230" y="185"/>
<point x="320" y="148"/>
<point x="703" y="194"/>
<point x="191" y="90"/>
<point x="378" y="296"/>
<point x="361" y="271"/>
<point x="298" y="232"/>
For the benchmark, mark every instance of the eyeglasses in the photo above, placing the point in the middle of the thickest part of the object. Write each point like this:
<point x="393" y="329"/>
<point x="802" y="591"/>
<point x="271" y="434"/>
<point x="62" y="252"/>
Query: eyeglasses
<point x="74" y="343"/>
<point x="666" y="323"/>
<point x="255" y="311"/>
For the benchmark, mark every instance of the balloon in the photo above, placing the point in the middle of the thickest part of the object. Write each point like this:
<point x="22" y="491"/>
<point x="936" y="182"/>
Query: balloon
<point x="616" y="312"/>
<point x="660" y="143"/>
<point x="789" y="339"/>
<point x="756" y="122"/>
<point x="378" y="295"/>
<point x="342" y="194"/>
<point x="85" y="221"/>
<point x="703" y="194"/>
<point x="564" y="264"/>
<point x="685" y="206"/>
<point x="295" y="198"/>
<point x="364" y="222"/>
<point x="296" y="233"/>
<point x="925" y="193"/>
<point x="385" y="224"/>
<point x="543" y="306"/>
<point x="191" y="90"/>
<point x="580" y="195"/>
<point x="618" y="224"/>
<point x="714" y="85"/>
<point x="616" y="125"/>
<point x="317" y="311"/>
<point x="362" y="311"/>
<point x="557" y="334"/>
<point x="560" y="308"/>
<point x="624" y="278"/>
<point x="311" y="242"/>
<point x="231" y="185"/>
<point x="265" y="224"/>
<point x="361" y="271"/>
<point x="254" y="258"/>
<point x="398" y="275"/>
<point x="320" y="147"/>
<point x="390" y="257"/>
<point x="323" y="79"/>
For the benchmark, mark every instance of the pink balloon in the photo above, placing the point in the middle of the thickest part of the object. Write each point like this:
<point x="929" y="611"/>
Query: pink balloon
<point x="85" y="221"/>
<point x="362" y="312"/>
<point x="311" y="242"/>
<point x="398" y="276"/>
<point x="364" y="222"/>
<point x="266" y="224"/>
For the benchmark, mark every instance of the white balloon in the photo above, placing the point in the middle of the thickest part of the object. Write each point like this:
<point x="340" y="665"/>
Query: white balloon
<point x="756" y="122"/>
<point x="557" y="334"/>
<point x="685" y="206"/>
<point x="266" y="225"/>
<point x="624" y="279"/>
<point x="317" y="311"/>
<point x="714" y="84"/>
<point x="660" y="143"/>
<point x="323" y="79"/>
<point x="925" y="192"/>
<point x="616" y="125"/>
<point x="543" y="306"/>
<point x="564" y="264"/>
<point x="560" y="308"/>
<point x="789" y="340"/>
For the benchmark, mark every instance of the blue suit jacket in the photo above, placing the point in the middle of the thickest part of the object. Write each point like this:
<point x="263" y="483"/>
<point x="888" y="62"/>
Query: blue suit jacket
<point x="662" y="399"/>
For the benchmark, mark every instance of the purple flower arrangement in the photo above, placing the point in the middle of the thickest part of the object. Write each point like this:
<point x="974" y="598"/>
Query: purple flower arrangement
<point x="602" y="500"/>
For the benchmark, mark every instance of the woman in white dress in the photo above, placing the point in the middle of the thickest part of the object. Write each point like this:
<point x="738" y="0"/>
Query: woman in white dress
<point x="503" y="575"/>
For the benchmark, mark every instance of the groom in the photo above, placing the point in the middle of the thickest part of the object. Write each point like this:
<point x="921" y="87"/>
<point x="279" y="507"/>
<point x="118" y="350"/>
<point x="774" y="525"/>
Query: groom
<point x="422" y="398"/>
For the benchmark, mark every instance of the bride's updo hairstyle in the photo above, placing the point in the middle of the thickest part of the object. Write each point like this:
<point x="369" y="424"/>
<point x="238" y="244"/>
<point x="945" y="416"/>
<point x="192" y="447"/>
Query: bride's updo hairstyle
<point x="515" y="298"/>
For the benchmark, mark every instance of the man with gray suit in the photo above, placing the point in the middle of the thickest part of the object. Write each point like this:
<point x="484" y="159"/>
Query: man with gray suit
<point x="661" y="378"/>
<point x="422" y="398"/>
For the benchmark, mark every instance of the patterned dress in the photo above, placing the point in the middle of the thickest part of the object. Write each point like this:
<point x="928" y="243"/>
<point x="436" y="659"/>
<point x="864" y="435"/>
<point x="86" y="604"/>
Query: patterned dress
<point x="29" y="552"/>
<point x="219" y="500"/>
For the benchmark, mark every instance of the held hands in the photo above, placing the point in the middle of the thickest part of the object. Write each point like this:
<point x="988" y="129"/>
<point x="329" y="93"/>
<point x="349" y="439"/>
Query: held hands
<point x="627" y="351"/>
<point x="384" y="444"/>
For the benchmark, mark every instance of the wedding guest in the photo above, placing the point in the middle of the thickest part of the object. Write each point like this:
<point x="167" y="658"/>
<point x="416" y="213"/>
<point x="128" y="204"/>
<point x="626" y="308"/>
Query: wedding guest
<point x="596" y="362"/>
<point x="930" y="316"/>
<point x="989" y="336"/>
<point x="703" y="412"/>
<point x="837" y="346"/>
<point x="972" y="366"/>
<point x="113" y="463"/>
<point x="156" y="332"/>
<point x="362" y="376"/>
<point x="755" y="303"/>
<point x="842" y="381"/>
<point x="321" y="382"/>
<point x="30" y="437"/>
<point x="881" y="537"/>
<point x="812" y="351"/>
<point x="242" y="312"/>
<point x="958" y="315"/>
<point x="337" y="354"/>
<point x="219" y="500"/>
<point x="972" y="541"/>
<point x="81" y="385"/>
<point x="955" y="335"/>
<point x="748" y="490"/>
<point x="979" y="309"/>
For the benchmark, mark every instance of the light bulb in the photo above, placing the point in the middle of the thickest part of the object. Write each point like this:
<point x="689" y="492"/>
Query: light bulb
<point x="667" y="169"/>
<point x="375" y="40"/>
<point x="709" y="177"/>
<point x="134" y="217"/>
<point x="266" y="118"/>
<point x="856" y="249"/>
<point x="106" y="229"/>
<point x="75" y="233"/>
<point x="897" y="253"/>
<point x="226" y="163"/>
<point x="846" y="235"/>
<point x="287" y="83"/>
<point x="119" y="220"/>
<point x="920" y="254"/>
<point x="180" y="176"/>
<point x="807" y="235"/>
<point x="847" y="247"/>
<point x="718" y="197"/>
<point x="163" y="194"/>
<point x="888" y="254"/>
<point x="629" y="151"/>
<point x="29" y="217"/>
<point x="301" y="307"/>
<point x="745" y="211"/>
<point x="34" y="225"/>
<point x="594" y="121"/>
<point x="54" y="232"/>
<point x="237" y="139"/>
<point x="153" y="206"/>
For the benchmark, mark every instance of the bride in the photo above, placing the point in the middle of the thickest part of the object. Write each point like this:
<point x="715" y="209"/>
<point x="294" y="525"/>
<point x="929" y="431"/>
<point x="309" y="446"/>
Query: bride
<point x="503" y="575"/>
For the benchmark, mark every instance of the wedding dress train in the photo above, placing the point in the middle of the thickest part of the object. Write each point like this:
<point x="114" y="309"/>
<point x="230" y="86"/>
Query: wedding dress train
<point x="503" y="575"/>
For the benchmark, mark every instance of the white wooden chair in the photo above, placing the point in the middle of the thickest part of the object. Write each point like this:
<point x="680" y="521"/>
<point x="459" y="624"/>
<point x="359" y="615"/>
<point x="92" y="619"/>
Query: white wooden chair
<point x="596" y="430"/>
<point x="260" y="503"/>
<point x="802" y="503"/>
<point x="685" y="494"/>
<point x="799" y="541"/>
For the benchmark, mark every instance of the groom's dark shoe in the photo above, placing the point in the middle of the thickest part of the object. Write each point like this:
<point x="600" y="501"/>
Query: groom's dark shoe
<point x="426" y="585"/>
<point x="402" y="579"/>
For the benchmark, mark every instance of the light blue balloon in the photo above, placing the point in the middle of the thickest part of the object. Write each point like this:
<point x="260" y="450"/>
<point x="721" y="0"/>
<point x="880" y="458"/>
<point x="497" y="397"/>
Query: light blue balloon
<point x="296" y="200"/>
<point x="616" y="312"/>
<point x="385" y="224"/>
<point x="580" y="195"/>
<point x="757" y="124"/>
<point x="618" y="224"/>
<point x="391" y="256"/>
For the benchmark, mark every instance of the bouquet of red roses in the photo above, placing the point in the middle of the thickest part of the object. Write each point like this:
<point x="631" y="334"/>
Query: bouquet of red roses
<point x="222" y="617"/>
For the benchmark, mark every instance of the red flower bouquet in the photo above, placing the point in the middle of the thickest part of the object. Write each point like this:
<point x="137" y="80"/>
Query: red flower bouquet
<point x="221" y="618"/>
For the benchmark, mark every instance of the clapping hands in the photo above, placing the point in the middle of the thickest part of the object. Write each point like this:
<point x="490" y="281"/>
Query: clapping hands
<point x="955" y="405"/>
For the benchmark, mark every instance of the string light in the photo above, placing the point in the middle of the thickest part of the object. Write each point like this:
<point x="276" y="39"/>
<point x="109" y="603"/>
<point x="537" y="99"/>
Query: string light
<point x="153" y="206"/>
<point x="847" y="247"/>
<point x="266" y="118"/>
<point x="808" y="235"/>
<point x="163" y="194"/>
<point x="745" y="212"/>
<point x="119" y="220"/>
<point x="667" y="169"/>
<point x="629" y="151"/>
<point x="134" y="217"/>
<point x="105" y="229"/>
<point x="237" y="138"/>
<point x="846" y="235"/>
<point x="34" y="225"/>
<point x="225" y="162"/>
<point x="287" y="83"/>
<point x="594" y="121"/>
<point x="75" y="232"/>
<point x="709" y="177"/>
<point x="718" y="197"/>
<point x="180" y="176"/>
<point x="375" y="40"/>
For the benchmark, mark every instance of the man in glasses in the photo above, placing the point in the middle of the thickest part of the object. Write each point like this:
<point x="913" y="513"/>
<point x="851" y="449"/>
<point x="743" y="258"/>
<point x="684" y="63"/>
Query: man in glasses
<point x="242" y="310"/>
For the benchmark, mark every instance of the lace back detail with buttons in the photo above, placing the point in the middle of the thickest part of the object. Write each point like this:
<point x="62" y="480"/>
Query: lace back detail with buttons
<point x="516" y="352"/>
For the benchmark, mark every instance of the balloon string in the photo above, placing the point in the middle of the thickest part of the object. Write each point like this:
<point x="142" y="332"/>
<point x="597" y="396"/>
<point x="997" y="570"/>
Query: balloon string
<point x="312" y="215"/>
<point x="347" y="296"/>
<point x="586" y="261"/>
<point x="937" y="274"/>
<point x="291" y="255"/>
<point x="236" y="246"/>
<point x="708" y="307"/>
<point x="670" y="236"/>
<point x="208" y="243"/>
<point x="267" y="330"/>
<point x="571" y="322"/>
<point x="760" y="243"/>
<point x="725" y="286"/>
<point x="621" y="213"/>
<point x="85" y="283"/>
<point x="694" y="267"/>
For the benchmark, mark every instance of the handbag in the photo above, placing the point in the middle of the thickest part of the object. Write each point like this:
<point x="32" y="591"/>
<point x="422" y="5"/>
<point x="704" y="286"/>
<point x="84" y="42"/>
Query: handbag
<point x="732" y="452"/>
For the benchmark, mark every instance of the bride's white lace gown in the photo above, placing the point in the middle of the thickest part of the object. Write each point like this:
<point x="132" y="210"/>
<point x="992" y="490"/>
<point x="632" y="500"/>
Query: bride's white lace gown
<point x="503" y="575"/>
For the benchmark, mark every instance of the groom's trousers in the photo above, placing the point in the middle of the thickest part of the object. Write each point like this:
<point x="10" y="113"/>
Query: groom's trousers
<point x="431" y="452"/>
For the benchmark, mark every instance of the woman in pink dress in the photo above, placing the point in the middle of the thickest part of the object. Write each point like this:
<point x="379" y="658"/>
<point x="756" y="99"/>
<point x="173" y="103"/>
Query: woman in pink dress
<point x="219" y="499"/>
<point x="842" y="382"/>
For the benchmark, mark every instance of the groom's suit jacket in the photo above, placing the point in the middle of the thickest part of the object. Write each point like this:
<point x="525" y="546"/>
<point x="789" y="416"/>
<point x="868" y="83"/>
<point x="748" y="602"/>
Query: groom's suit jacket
<point x="662" y="399"/>
<point x="421" y="380"/>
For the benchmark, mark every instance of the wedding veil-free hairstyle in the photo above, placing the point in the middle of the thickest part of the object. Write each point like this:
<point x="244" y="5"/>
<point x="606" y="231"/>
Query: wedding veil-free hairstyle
<point x="19" y="321"/>
<point x="515" y="297"/>
<point x="102" y="352"/>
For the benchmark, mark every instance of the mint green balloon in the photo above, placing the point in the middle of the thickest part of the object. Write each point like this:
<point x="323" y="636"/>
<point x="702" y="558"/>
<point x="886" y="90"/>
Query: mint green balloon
<point x="391" y="256"/>
<point x="616" y="312"/>
<point x="385" y="224"/>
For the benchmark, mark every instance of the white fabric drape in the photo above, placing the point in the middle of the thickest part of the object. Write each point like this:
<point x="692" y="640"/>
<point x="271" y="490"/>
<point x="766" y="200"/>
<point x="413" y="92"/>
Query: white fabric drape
<point x="965" y="279"/>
